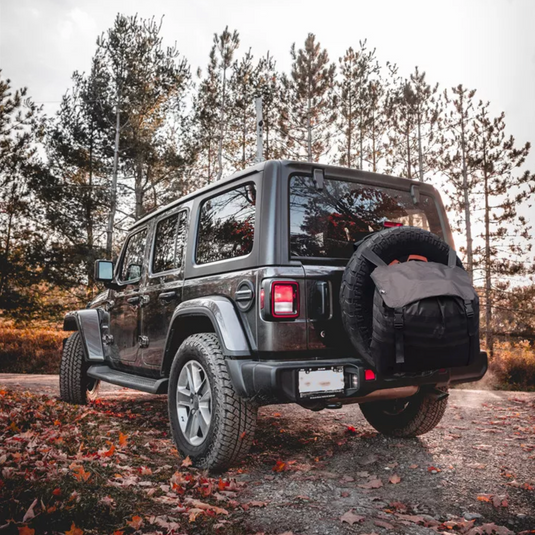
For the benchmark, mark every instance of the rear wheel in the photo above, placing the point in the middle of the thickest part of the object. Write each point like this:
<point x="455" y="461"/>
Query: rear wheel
<point x="210" y="423"/>
<point x="75" y="386"/>
<point x="407" y="417"/>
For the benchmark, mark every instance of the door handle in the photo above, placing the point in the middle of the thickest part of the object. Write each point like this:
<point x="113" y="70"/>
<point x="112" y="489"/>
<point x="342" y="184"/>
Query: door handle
<point x="134" y="300"/>
<point x="168" y="296"/>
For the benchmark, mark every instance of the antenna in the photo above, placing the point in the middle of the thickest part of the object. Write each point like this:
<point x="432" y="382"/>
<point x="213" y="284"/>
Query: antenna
<point x="259" y="130"/>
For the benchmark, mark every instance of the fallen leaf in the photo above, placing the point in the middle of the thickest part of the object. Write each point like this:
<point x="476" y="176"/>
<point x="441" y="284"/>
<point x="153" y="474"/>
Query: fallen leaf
<point x="413" y="466"/>
<point x="394" y="479"/>
<point x="490" y="529"/>
<point x="484" y="498"/>
<point x="351" y="518"/>
<point x="136" y="522"/>
<point x="123" y="439"/>
<point x="372" y="484"/>
<point x="30" y="513"/>
<point x="25" y="530"/>
<point x="434" y="470"/>
<point x="382" y="524"/>
<point x="350" y="430"/>
<point x="56" y="492"/>
<point x="186" y="462"/>
<point x="280" y="466"/>
<point x="74" y="530"/>
<point x="257" y="504"/>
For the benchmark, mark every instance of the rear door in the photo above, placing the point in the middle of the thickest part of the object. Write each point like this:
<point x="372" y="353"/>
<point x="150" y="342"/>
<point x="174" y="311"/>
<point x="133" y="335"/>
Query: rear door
<point x="325" y="224"/>
<point x="163" y="291"/>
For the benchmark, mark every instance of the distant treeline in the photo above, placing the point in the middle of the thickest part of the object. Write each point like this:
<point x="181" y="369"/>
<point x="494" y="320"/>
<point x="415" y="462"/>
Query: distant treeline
<point x="139" y="129"/>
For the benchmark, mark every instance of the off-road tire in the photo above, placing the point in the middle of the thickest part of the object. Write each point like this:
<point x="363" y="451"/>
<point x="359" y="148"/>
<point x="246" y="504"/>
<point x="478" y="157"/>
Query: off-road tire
<point x="357" y="288"/>
<point x="233" y="420"/>
<point x="421" y="414"/>
<point x="74" y="384"/>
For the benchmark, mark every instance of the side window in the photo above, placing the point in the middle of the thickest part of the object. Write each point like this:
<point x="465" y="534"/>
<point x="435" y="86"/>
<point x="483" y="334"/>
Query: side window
<point x="132" y="265"/>
<point x="169" y="243"/>
<point x="226" y="225"/>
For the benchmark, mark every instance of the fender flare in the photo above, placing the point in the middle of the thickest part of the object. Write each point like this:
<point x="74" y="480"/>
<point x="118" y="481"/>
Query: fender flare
<point x="88" y="323"/>
<point x="223" y="316"/>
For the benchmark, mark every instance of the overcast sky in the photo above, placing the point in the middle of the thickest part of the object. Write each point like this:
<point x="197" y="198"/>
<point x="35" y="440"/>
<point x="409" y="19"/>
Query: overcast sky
<point x="488" y="45"/>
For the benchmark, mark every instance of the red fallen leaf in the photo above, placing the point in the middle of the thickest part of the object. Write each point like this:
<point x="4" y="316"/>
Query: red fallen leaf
<point x="25" y="530"/>
<point x="394" y="479"/>
<point x="500" y="501"/>
<point x="350" y="430"/>
<point x="56" y="492"/>
<point x="276" y="415"/>
<point x="434" y="470"/>
<point x="80" y="474"/>
<point x="344" y="494"/>
<point x="118" y="532"/>
<point x="243" y="435"/>
<point x="372" y="484"/>
<point x="351" y="518"/>
<point x="280" y="466"/>
<point x="136" y="522"/>
<point x="257" y="504"/>
<point x="484" y="498"/>
<point x="186" y="462"/>
<point x="123" y="439"/>
<point x="527" y="486"/>
<point x="221" y="485"/>
<point x="108" y="453"/>
<point x="398" y="506"/>
<point x="74" y="530"/>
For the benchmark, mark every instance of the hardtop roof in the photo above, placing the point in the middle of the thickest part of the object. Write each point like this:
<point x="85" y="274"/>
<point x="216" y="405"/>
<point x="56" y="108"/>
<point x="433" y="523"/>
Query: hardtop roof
<point x="329" y="170"/>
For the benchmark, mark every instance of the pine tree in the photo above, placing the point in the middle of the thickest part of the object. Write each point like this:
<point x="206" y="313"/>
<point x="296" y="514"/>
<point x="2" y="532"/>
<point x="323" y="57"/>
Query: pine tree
<point x="457" y="145"/>
<point x="504" y="189"/>
<point x="359" y="99"/>
<point x="310" y="107"/>
<point x="226" y="45"/>
<point x="145" y="83"/>
<point x="241" y="136"/>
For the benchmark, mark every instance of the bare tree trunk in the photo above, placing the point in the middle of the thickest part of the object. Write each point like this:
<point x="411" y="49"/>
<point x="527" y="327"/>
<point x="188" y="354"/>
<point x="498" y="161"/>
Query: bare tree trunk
<point x="113" y="199"/>
<point x="409" y="163"/>
<point x="467" y="218"/>
<point x="420" y="153"/>
<point x="309" y="132"/>
<point x="489" y="338"/>
<point x="89" y="222"/>
<point x="138" y="188"/>
<point x="222" y="126"/>
<point x="361" y="139"/>
<point x="5" y="275"/>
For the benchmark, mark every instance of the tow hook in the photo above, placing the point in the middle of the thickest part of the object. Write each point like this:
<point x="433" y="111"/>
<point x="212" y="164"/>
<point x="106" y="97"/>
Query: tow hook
<point x="435" y="393"/>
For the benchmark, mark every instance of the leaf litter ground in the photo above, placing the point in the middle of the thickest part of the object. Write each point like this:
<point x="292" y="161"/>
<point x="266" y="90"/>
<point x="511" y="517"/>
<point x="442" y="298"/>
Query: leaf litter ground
<point x="111" y="468"/>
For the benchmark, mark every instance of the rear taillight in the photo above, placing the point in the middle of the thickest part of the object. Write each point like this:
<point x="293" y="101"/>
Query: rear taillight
<point x="369" y="375"/>
<point x="284" y="299"/>
<point x="391" y="224"/>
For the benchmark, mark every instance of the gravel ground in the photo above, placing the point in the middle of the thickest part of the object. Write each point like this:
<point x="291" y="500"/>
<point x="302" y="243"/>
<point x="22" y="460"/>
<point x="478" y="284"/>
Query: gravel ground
<point x="306" y="470"/>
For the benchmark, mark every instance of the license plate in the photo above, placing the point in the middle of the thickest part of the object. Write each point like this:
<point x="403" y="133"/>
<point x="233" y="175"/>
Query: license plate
<point x="321" y="382"/>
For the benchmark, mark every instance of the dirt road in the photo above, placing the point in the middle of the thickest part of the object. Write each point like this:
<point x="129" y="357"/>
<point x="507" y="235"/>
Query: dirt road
<point x="476" y="471"/>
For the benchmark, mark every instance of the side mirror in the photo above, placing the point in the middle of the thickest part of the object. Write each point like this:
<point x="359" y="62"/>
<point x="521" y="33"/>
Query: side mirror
<point x="104" y="270"/>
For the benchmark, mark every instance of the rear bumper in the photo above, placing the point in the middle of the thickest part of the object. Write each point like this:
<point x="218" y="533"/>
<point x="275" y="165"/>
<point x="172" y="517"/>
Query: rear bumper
<point x="276" y="381"/>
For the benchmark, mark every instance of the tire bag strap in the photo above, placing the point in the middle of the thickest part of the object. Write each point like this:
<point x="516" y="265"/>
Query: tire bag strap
<point x="398" y="328"/>
<point x="452" y="258"/>
<point x="373" y="258"/>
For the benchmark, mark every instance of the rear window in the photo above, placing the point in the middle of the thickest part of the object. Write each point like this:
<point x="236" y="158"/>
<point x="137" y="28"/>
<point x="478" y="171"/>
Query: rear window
<point x="327" y="223"/>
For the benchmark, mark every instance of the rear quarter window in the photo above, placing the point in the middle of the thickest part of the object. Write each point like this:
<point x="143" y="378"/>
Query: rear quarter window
<point x="226" y="225"/>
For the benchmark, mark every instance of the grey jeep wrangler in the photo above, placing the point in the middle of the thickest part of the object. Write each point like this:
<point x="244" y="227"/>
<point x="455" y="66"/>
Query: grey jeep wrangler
<point x="256" y="290"/>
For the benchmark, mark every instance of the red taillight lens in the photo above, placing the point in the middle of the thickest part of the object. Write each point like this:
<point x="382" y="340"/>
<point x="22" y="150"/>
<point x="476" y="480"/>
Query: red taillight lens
<point x="285" y="299"/>
<point x="391" y="224"/>
<point x="262" y="297"/>
<point x="369" y="375"/>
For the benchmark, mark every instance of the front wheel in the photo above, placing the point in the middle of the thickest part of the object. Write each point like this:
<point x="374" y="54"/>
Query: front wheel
<point x="210" y="423"/>
<point x="75" y="386"/>
<point x="408" y="417"/>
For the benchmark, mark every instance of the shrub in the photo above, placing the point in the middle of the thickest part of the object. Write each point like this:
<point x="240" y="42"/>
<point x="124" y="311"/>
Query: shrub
<point x="513" y="365"/>
<point x="31" y="349"/>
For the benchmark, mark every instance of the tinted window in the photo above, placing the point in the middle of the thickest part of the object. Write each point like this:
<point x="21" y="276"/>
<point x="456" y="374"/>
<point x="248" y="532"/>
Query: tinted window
<point x="167" y="249"/>
<point x="327" y="223"/>
<point x="133" y="257"/>
<point x="226" y="225"/>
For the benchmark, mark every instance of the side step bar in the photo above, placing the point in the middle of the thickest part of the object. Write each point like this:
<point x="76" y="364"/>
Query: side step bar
<point x="137" y="382"/>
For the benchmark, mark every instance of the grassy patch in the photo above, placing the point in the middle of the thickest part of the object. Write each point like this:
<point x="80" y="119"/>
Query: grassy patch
<point x="513" y="365"/>
<point x="34" y="349"/>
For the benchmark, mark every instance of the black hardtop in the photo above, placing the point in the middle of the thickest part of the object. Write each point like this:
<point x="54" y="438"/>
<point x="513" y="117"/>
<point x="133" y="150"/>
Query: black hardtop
<point x="295" y="167"/>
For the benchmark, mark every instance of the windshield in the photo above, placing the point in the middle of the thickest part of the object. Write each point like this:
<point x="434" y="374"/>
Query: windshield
<point x="327" y="223"/>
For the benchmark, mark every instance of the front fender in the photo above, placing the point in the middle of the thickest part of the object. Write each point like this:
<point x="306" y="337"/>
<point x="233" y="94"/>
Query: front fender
<point x="224" y="318"/>
<point x="88" y="323"/>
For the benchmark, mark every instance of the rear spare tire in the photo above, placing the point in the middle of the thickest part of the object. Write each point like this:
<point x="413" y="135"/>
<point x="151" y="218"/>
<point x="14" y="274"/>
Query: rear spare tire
<point x="357" y="288"/>
<point x="405" y="418"/>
